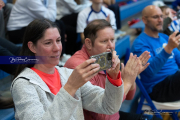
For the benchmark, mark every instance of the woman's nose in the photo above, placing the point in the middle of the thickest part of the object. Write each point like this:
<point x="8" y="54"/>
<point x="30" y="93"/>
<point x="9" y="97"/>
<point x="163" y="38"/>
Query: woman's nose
<point x="56" y="47"/>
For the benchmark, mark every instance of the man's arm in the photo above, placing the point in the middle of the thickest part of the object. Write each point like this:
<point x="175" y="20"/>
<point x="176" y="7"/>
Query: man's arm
<point x="40" y="11"/>
<point x="106" y="101"/>
<point x="73" y="6"/>
<point x="157" y="61"/>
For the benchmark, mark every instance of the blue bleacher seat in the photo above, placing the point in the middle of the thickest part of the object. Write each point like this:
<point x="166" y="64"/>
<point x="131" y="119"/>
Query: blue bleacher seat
<point x="7" y="114"/>
<point x="122" y="45"/>
<point x="131" y="9"/>
<point x="139" y="24"/>
<point x="3" y="74"/>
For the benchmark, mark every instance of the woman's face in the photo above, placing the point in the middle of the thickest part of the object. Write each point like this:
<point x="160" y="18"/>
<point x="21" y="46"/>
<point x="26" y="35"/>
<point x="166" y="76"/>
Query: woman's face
<point x="49" y="46"/>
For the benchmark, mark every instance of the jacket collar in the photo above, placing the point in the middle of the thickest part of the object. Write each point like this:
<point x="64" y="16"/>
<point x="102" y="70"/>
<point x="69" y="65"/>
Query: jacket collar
<point x="34" y="78"/>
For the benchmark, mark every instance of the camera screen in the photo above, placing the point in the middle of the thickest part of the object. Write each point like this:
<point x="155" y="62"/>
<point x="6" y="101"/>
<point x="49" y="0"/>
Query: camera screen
<point x="109" y="57"/>
<point x="104" y="60"/>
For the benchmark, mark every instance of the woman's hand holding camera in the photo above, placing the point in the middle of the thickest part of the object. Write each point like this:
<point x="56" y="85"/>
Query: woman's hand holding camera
<point x="114" y="70"/>
<point x="81" y="74"/>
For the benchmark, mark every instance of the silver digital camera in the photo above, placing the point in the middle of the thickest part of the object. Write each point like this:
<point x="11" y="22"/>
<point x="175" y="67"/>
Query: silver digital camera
<point x="104" y="60"/>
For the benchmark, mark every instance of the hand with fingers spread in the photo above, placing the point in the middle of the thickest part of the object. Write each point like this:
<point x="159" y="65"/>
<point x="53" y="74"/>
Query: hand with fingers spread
<point x="173" y="42"/>
<point x="143" y="59"/>
<point x="81" y="74"/>
<point x="130" y="72"/>
<point x="114" y="70"/>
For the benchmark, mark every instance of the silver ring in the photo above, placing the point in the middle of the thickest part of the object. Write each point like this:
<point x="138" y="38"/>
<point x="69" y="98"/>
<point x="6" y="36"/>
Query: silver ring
<point x="143" y="64"/>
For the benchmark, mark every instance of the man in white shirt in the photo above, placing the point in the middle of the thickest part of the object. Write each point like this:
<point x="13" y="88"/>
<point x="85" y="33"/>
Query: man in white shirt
<point x="96" y="11"/>
<point x="24" y="12"/>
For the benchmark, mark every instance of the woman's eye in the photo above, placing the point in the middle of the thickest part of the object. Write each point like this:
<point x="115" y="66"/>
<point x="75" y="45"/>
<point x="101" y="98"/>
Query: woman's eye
<point x="47" y="43"/>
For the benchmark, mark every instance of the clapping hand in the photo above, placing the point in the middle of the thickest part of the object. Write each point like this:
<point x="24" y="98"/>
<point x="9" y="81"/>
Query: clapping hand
<point x="143" y="59"/>
<point x="130" y="72"/>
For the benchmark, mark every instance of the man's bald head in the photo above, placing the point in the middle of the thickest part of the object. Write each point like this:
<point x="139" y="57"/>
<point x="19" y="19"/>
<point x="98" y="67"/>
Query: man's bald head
<point x="153" y="18"/>
<point x="150" y="10"/>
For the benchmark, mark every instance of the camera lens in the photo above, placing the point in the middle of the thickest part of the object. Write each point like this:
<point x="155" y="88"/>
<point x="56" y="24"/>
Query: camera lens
<point x="109" y="56"/>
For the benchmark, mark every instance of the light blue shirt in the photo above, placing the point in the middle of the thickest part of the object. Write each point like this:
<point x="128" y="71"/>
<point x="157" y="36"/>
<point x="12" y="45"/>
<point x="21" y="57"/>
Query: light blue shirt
<point x="162" y="64"/>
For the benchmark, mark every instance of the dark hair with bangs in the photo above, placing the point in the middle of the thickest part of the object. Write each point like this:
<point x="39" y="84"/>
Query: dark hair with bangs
<point x="34" y="31"/>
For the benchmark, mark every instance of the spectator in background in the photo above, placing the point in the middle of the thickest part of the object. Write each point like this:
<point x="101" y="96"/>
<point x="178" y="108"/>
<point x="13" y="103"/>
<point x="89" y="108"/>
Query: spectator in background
<point x="5" y="10"/>
<point x="96" y="11"/>
<point x="161" y="78"/>
<point x="112" y="5"/>
<point x="67" y="11"/>
<point x="176" y="5"/>
<point x="170" y="21"/>
<point x="8" y="48"/>
<point x="24" y="12"/>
